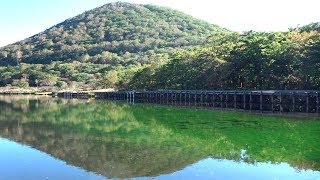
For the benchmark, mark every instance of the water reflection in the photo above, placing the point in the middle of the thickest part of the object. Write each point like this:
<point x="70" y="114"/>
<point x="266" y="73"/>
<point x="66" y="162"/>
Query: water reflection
<point x="23" y="162"/>
<point x="128" y="141"/>
<point x="211" y="168"/>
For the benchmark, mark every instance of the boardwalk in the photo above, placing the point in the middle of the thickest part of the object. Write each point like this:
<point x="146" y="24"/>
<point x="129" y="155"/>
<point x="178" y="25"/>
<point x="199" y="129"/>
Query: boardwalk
<point x="70" y="95"/>
<point x="283" y="101"/>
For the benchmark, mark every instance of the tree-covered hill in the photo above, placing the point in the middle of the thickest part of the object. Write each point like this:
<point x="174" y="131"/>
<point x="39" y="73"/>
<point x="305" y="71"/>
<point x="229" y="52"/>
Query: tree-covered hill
<point x="145" y="47"/>
<point x="116" y="33"/>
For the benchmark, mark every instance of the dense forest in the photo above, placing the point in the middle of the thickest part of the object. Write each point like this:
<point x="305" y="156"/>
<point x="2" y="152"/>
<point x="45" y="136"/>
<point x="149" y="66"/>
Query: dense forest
<point x="252" y="60"/>
<point x="144" y="47"/>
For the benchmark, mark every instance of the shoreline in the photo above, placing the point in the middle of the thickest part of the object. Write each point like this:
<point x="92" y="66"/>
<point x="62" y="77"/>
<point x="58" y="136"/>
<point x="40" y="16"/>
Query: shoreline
<point x="45" y="91"/>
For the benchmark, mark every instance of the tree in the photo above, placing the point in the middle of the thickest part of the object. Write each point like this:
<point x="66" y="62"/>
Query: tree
<point x="20" y="83"/>
<point x="109" y="80"/>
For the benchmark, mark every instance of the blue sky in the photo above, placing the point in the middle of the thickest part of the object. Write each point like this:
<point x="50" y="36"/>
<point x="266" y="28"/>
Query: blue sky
<point x="20" y="19"/>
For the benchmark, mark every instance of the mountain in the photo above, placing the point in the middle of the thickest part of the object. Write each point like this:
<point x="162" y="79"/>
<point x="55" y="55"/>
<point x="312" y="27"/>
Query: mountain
<point x="145" y="47"/>
<point x="116" y="33"/>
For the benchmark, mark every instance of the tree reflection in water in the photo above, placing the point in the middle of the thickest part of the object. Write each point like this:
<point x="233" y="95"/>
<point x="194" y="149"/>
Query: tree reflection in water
<point x="125" y="141"/>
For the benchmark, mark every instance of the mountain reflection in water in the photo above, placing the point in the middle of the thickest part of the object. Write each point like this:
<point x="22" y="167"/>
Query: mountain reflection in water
<point x="118" y="140"/>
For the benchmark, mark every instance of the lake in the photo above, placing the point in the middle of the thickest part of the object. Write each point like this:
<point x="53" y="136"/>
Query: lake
<point x="51" y="138"/>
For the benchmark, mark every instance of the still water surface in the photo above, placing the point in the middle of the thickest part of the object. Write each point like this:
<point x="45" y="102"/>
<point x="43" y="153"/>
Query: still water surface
<point x="45" y="138"/>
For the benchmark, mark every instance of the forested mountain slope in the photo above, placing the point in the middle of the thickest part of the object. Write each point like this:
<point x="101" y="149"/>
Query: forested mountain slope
<point x="113" y="33"/>
<point x="101" y="48"/>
